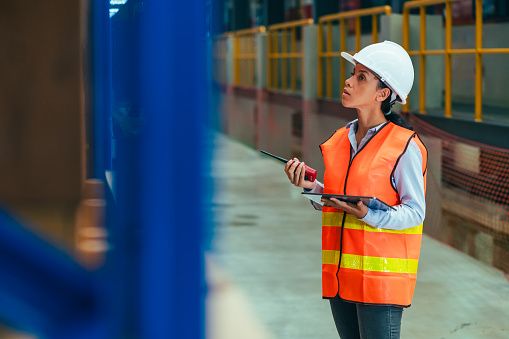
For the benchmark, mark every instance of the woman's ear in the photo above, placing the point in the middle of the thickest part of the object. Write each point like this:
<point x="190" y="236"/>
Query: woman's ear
<point x="383" y="94"/>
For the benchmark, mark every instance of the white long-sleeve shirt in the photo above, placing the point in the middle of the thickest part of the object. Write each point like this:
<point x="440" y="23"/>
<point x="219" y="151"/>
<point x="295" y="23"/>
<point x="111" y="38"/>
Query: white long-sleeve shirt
<point x="407" y="179"/>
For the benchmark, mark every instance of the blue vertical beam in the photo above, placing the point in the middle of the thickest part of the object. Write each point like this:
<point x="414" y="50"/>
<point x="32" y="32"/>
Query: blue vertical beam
<point x="109" y="281"/>
<point x="174" y="101"/>
<point x="101" y="61"/>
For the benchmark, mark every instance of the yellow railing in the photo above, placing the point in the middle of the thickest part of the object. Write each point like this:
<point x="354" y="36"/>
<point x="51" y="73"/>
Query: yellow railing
<point x="244" y="56"/>
<point x="328" y="54"/>
<point x="447" y="52"/>
<point x="279" y="33"/>
<point x="219" y="56"/>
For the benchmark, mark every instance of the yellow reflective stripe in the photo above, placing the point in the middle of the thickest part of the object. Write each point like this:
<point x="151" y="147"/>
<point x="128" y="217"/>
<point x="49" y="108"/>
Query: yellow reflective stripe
<point x="365" y="263"/>
<point x="393" y="265"/>
<point x="330" y="257"/>
<point x="351" y="222"/>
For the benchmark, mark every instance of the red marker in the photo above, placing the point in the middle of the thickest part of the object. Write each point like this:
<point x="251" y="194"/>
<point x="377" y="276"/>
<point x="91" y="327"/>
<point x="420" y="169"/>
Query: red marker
<point x="310" y="174"/>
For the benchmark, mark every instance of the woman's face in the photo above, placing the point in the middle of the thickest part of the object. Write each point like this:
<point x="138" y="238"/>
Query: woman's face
<point x="361" y="89"/>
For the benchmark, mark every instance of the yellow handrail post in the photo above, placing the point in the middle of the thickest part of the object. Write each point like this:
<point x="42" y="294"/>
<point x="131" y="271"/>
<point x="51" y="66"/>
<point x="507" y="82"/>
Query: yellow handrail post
<point x="252" y="62"/>
<point x="342" y="47"/>
<point x="245" y="62"/>
<point x="406" y="41"/>
<point x="293" y="66"/>
<point x="328" y="69"/>
<point x="374" y="25"/>
<point x="275" y="51"/>
<point x="422" y="62"/>
<point x="478" y="51"/>
<point x="448" y="60"/>
<point x="244" y="56"/>
<point x="242" y="64"/>
<point x="328" y="54"/>
<point x="235" y="60"/>
<point x="269" y="61"/>
<point x="284" y="52"/>
<point x="319" y="86"/>
<point x="478" y="60"/>
<point x="357" y="33"/>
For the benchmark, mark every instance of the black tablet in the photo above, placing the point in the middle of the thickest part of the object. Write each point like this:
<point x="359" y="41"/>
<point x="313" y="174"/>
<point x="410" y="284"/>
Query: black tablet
<point x="371" y="202"/>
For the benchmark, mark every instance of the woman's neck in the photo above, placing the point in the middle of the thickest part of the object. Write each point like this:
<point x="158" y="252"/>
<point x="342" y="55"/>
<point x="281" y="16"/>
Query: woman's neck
<point x="368" y="120"/>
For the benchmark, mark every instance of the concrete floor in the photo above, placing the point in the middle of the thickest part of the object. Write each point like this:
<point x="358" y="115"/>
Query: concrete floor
<point x="264" y="271"/>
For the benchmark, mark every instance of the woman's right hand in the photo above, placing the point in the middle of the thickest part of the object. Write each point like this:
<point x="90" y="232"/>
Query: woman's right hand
<point x="296" y="172"/>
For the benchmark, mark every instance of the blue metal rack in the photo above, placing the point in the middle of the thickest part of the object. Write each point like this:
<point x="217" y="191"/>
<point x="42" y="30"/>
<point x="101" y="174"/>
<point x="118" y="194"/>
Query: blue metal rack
<point x="152" y="283"/>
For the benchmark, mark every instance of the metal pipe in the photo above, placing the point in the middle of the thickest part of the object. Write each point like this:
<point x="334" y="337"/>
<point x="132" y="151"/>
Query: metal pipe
<point x="250" y="31"/>
<point x="387" y="10"/>
<point x="295" y="23"/>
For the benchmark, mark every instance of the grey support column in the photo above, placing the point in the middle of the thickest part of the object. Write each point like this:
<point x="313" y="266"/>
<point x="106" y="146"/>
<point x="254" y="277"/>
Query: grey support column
<point x="261" y="89"/>
<point x="229" y="85"/>
<point x="229" y="60"/>
<point x="309" y="90"/>
<point x="261" y="61"/>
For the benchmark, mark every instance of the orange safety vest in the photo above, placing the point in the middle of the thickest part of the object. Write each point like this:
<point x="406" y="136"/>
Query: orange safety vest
<point x="361" y="263"/>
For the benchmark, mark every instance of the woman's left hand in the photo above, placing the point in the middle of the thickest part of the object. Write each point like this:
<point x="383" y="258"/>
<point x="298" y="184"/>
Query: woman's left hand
<point x="359" y="210"/>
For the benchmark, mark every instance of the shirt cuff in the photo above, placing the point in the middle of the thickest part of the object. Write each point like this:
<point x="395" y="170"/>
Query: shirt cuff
<point x="317" y="189"/>
<point x="370" y="217"/>
<point x="307" y="190"/>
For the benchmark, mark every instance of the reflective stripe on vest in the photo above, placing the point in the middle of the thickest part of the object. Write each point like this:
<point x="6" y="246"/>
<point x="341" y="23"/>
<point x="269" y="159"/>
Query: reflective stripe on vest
<point x="357" y="262"/>
<point x="362" y="263"/>
<point x="335" y="219"/>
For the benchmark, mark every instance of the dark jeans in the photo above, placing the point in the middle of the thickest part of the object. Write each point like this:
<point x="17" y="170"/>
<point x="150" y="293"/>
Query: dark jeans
<point x="358" y="321"/>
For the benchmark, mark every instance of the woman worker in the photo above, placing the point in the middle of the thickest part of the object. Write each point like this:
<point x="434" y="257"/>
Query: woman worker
<point x="369" y="257"/>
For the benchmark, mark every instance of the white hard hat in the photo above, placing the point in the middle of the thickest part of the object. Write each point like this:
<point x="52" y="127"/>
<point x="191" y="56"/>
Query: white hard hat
<point x="391" y="63"/>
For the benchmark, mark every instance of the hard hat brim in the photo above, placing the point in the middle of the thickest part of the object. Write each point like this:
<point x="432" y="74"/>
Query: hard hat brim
<point x="348" y="57"/>
<point x="352" y="60"/>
